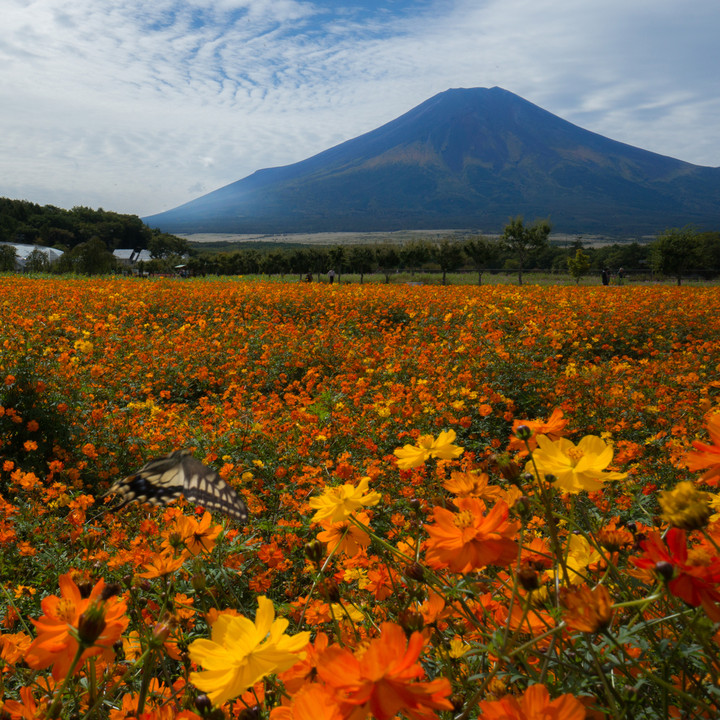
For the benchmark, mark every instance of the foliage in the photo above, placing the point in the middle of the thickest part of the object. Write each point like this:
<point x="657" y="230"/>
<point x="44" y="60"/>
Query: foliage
<point x="578" y="265"/>
<point x="520" y="240"/>
<point x="450" y="577"/>
<point x="675" y="252"/>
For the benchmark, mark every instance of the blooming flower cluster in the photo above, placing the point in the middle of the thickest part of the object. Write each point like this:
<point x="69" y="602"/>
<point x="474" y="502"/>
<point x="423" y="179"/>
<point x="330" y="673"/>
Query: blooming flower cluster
<point x="460" y="505"/>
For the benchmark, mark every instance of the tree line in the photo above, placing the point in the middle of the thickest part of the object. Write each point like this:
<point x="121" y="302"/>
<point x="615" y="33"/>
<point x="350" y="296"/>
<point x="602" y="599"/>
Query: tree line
<point x="88" y="237"/>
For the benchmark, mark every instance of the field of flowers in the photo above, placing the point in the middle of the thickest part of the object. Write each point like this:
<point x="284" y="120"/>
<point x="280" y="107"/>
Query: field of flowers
<point x="464" y="502"/>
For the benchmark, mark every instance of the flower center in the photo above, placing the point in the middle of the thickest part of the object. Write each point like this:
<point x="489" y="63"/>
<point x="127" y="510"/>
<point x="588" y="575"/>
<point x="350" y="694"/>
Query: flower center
<point x="65" y="611"/>
<point x="575" y="454"/>
<point x="464" y="519"/>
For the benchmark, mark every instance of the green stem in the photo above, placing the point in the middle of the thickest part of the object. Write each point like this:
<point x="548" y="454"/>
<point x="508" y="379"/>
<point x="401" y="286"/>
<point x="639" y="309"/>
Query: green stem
<point x="54" y="709"/>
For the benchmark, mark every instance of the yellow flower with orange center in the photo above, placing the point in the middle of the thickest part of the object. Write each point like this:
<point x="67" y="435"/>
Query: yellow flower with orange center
<point x="242" y="652"/>
<point x="442" y="447"/>
<point x="338" y="503"/>
<point x="574" y="467"/>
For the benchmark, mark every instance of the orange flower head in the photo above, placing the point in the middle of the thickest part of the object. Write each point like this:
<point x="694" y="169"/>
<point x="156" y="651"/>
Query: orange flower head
<point x="58" y="629"/>
<point x="553" y="428"/>
<point x="586" y="610"/>
<point x="385" y="680"/>
<point x="533" y="704"/>
<point x="471" y="539"/>
<point x="706" y="457"/>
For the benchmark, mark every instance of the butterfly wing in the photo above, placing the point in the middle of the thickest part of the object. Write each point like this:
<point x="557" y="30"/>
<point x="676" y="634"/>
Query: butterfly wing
<point x="158" y="482"/>
<point x="203" y="486"/>
<point x="164" y="479"/>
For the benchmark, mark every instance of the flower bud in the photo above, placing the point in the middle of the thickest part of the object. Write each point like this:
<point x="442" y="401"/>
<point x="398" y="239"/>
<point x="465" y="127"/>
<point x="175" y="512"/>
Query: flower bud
<point x="314" y="551"/>
<point x="665" y="570"/>
<point x="523" y="432"/>
<point x="415" y="571"/>
<point x="528" y="578"/>
<point x="199" y="582"/>
<point x="411" y="621"/>
<point x="91" y="624"/>
<point x="329" y="591"/>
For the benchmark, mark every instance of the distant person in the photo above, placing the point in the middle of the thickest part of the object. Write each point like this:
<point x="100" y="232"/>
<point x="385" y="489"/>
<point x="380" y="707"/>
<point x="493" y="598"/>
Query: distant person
<point x="331" y="276"/>
<point x="621" y="276"/>
<point x="605" y="275"/>
<point x="308" y="277"/>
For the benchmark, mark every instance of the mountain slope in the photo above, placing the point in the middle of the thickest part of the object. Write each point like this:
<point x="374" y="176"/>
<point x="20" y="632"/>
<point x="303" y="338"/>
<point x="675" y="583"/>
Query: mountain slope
<point x="466" y="158"/>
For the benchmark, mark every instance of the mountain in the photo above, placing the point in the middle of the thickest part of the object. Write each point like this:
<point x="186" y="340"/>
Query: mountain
<point x="465" y="158"/>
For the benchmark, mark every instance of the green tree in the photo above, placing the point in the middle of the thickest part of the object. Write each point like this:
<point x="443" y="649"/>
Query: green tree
<point x="37" y="261"/>
<point x="675" y="252"/>
<point x="336" y="256"/>
<point x="578" y="265"/>
<point x="449" y="256"/>
<point x="388" y="259"/>
<point x="162" y="245"/>
<point x="414" y="254"/>
<point x="8" y="258"/>
<point x="362" y="259"/>
<point x="482" y="254"/>
<point x="520" y="240"/>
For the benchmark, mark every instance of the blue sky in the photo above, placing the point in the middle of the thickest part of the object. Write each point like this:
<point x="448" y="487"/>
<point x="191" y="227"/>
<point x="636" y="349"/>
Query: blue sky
<point x="140" y="105"/>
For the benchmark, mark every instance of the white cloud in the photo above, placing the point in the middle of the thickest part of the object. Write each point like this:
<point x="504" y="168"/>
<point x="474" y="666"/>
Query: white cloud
<point x="135" y="106"/>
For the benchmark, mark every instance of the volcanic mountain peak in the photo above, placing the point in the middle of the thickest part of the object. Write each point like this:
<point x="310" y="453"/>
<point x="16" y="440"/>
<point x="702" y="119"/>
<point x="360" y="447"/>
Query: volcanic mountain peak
<point x="465" y="158"/>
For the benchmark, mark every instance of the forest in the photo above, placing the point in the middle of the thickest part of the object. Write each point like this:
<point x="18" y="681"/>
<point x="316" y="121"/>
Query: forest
<point x="88" y="238"/>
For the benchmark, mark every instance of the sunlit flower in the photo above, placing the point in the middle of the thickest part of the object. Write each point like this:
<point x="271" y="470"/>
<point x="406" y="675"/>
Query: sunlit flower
<point x="242" y="652"/>
<point x="162" y="564"/>
<point x="471" y="539"/>
<point x="67" y="618"/>
<point x="196" y="537"/>
<point x="696" y="583"/>
<point x="386" y="679"/>
<point x="553" y="428"/>
<point x="345" y="536"/>
<point x="338" y="503"/>
<point x="312" y="702"/>
<point x="472" y="484"/>
<point x="706" y="457"/>
<point x="586" y="610"/>
<point x="442" y="447"/>
<point x="575" y="467"/>
<point x="533" y="704"/>
<point x="685" y="506"/>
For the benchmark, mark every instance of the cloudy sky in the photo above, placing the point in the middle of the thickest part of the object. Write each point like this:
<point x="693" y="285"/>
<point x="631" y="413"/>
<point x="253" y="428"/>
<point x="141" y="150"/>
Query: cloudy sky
<point x="138" y="106"/>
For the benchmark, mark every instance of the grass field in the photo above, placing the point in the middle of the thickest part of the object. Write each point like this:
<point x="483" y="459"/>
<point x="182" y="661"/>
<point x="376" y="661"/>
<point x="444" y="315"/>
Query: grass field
<point x="463" y="501"/>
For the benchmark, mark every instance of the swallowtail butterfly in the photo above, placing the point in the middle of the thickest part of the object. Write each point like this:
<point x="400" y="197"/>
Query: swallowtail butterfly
<point x="164" y="479"/>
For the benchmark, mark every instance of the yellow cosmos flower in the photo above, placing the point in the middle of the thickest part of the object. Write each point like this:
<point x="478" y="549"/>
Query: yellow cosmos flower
<point x="410" y="456"/>
<point x="242" y="652"/>
<point x="338" y="503"/>
<point x="575" y="467"/>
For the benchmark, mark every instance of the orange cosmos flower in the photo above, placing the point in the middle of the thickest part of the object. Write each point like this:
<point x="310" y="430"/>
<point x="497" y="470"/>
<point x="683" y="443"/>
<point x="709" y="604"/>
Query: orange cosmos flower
<point x="533" y="704"/>
<point x="552" y="428"/>
<point x="706" y="457"/>
<point x="312" y="702"/>
<point x="97" y="621"/>
<point x="384" y="680"/>
<point x="196" y="537"/>
<point x="162" y="564"/>
<point x="345" y="536"/>
<point x="586" y="610"/>
<point x="470" y="539"/>
<point x="472" y="484"/>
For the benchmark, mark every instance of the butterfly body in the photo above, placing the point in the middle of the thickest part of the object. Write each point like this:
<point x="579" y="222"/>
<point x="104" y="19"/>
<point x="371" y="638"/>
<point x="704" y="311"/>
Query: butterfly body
<point x="165" y="479"/>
